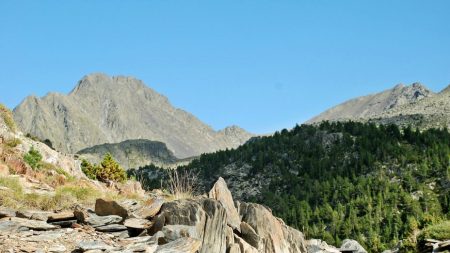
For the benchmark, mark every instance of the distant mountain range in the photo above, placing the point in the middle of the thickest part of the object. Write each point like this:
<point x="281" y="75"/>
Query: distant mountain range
<point x="103" y="109"/>
<point x="413" y="105"/>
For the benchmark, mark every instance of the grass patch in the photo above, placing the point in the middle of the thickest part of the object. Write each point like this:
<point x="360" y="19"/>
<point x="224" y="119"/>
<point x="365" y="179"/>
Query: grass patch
<point x="12" y="143"/>
<point x="8" y="118"/>
<point x="65" y="197"/>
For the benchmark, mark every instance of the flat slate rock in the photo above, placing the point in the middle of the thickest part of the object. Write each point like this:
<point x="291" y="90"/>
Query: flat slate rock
<point x="111" y="228"/>
<point x="93" y="245"/>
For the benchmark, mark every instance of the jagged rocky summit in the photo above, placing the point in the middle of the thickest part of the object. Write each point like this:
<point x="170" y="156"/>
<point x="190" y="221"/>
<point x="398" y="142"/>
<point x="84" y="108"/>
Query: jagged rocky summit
<point x="214" y="224"/>
<point x="103" y="109"/>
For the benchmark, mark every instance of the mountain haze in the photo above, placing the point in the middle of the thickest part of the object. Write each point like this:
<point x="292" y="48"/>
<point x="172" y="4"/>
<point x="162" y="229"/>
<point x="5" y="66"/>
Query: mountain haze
<point x="103" y="109"/>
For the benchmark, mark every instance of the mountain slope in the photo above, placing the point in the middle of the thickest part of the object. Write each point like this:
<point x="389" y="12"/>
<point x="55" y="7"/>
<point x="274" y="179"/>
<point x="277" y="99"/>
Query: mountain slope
<point x="103" y="109"/>
<point x="371" y="106"/>
<point x="339" y="180"/>
<point x="432" y="111"/>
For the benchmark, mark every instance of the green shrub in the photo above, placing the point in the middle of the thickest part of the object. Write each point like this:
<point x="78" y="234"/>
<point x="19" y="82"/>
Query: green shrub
<point x="440" y="231"/>
<point x="108" y="170"/>
<point x="33" y="158"/>
<point x="7" y="116"/>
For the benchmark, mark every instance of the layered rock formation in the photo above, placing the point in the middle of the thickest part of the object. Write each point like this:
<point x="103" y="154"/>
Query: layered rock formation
<point x="103" y="109"/>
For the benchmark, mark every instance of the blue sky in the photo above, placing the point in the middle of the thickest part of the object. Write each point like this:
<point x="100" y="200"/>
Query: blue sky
<point x="263" y="65"/>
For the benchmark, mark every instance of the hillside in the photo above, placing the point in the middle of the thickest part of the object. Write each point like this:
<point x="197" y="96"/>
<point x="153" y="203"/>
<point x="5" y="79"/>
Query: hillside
<point x="103" y="109"/>
<point x="377" y="185"/>
<point x="132" y="153"/>
<point x="413" y="105"/>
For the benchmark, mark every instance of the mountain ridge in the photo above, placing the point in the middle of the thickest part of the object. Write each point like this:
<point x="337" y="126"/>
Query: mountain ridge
<point x="103" y="109"/>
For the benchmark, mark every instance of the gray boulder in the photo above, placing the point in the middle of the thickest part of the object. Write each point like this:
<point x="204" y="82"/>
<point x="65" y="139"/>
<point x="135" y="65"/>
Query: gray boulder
<point x="352" y="245"/>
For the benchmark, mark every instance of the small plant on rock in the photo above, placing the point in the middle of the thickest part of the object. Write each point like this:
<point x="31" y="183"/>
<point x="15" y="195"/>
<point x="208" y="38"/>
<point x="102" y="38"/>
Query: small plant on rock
<point x="33" y="158"/>
<point x="182" y="184"/>
<point x="107" y="170"/>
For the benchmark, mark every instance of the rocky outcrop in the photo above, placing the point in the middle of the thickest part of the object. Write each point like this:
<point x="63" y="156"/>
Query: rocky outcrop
<point x="199" y="225"/>
<point x="103" y="109"/>
<point x="352" y="245"/>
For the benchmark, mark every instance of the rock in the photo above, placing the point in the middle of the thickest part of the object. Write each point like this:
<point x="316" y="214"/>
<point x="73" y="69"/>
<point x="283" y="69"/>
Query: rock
<point x="138" y="223"/>
<point x="319" y="246"/>
<point x="88" y="217"/>
<point x="174" y="232"/>
<point x="57" y="249"/>
<point x="182" y="245"/>
<point x="207" y="216"/>
<point x="33" y="215"/>
<point x="250" y="235"/>
<point x="221" y="193"/>
<point x="64" y="224"/>
<point x="44" y="237"/>
<point x="352" y="245"/>
<point x="13" y="224"/>
<point x="62" y="216"/>
<point x="104" y="208"/>
<point x="150" y="209"/>
<point x="6" y="212"/>
<point x="275" y="235"/>
<point x="93" y="245"/>
<point x="244" y="246"/>
<point x="111" y="228"/>
<point x="234" y="248"/>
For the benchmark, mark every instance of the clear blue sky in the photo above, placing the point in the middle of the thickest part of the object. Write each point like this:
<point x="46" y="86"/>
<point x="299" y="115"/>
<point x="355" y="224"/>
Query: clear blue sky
<point x="263" y="65"/>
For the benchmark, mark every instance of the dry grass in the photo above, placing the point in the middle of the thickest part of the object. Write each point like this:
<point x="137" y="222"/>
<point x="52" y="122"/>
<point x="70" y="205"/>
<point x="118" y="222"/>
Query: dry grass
<point x="182" y="185"/>
<point x="65" y="197"/>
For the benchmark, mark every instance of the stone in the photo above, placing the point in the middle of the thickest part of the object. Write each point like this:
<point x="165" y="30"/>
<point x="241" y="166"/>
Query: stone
<point x="19" y="224"/>
<point x="208" y="216"/>
<point x="64" y="224"/>
<point x="250" y="235"/>
<point x="149" y="209"/>
<point x="111" y="228"/>
<point x="182" y="245"/>
<point x="275" y="235"/>
<point x="244" y="247"/>
<point x="221" y="193"/>
<point x="348" y="244"/>
<point x="33" y="215"/>
<point x="6" y="212"/>
<point x="44" y="237"/>
<point x="319" y="246"/>
<point x="105" y="207"/>
<point x="62" y="216"/>
<point x="57" y="249"/>
<point x="138" y="223"/>
<point x="234" y="248"/>
<point x="93" y="245"/>
<point x="88" y="217"/>
<point x="174" y="232"/>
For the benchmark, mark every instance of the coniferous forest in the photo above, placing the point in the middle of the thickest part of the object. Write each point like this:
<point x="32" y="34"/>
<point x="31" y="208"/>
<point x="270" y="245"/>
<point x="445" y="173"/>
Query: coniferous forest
<point x="376" y="184"/>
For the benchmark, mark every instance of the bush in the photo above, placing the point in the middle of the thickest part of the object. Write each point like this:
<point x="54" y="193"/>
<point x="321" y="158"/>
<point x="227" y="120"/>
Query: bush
<point x="440" y="231"/>
<point x="33" y="158"/>
<point x="182" y="184"/>
<point x="108" y="170"/>
<point x="7" y="116"/>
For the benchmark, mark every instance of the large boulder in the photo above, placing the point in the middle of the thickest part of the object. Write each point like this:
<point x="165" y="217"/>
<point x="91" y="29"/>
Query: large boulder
<point x="206" y="218"/>
<point x="221" y="193"/>
<point x="276" y="237"/>
<point x="352" y="245"/>
<point x="319" y="246"/>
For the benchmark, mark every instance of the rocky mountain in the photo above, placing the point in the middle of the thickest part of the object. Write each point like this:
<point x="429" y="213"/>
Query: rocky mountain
<point x="133" y="153"/>
<point x="376" y="105"/>
<point x="103" y="109"/>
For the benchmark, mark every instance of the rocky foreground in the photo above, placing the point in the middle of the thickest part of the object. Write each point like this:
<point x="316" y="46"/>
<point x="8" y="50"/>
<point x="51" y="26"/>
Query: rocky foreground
<point x="205" y="224"/>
